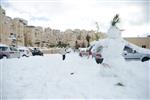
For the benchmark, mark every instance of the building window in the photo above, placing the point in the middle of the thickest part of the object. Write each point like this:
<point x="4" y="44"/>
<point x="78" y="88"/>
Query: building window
<point x="11" y="34"/>
<point x="143" y="46"/>
<point x="36" y="34"/>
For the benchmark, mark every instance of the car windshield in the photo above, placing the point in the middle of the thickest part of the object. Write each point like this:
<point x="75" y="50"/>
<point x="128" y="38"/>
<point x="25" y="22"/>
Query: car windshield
<point x="36" y="49"/>
<point x="99" y="49"/>
<point x="13" y="49"/>
<point x="3" y="48"/>
<point x="21" y="50"/>
<point x="128" y="49"/>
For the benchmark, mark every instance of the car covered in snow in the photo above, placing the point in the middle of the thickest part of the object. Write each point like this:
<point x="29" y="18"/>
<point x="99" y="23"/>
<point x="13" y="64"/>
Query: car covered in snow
<point x="85" y="51"/>
<point x="24" y="52"/>
<point x="9" y="52"/>
<point x="130" y="53"/>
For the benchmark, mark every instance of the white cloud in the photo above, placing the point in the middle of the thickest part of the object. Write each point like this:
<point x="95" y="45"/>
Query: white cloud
<point x="82" y="14"/>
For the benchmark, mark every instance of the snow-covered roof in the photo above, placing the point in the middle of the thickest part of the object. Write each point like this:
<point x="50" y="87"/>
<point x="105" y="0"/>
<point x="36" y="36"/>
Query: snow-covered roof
<point x="82" y="49"/>
<point x="3" y="45"/>
<point x="24" y="48"/>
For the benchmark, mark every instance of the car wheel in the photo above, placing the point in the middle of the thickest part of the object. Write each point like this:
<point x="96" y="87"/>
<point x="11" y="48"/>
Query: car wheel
<point x="4" y="57"/>
<point x="145" y="59"/>
<point x="24" y="56"/>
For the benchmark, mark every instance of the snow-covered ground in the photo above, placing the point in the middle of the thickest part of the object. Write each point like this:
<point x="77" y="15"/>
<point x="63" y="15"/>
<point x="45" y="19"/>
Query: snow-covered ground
<point x="49" y="77"/>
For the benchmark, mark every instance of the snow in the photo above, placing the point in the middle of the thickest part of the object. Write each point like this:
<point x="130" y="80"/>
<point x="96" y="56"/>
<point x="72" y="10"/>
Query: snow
<point x="50" y="77"/>
<point x="114" y="32"/>
<point x="82" y="49"/>
<point x="23" y="48"/>
<point x="3" y="45"/>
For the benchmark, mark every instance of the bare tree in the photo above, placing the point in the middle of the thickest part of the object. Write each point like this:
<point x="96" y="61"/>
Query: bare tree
<point x="97" y="31"/>
<point x="88" y="40"/>
<point x="97" y="27"/>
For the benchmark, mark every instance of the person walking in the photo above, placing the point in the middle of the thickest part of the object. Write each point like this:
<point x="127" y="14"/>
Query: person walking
<point x="63" y="53"/>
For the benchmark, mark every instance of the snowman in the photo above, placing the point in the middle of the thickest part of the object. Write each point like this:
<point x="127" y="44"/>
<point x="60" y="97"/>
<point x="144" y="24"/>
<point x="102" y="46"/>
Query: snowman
<point x="112" y="46"/>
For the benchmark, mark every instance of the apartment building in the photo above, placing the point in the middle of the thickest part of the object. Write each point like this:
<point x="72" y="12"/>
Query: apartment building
<point x="11" y="30"/>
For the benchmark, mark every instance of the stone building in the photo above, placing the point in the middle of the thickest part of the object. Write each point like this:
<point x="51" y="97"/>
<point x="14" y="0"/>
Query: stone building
<point x="5" y="27"/>
<point x="143" y="42"/>
<point x="33" y="36"/>
<point x="56" y="36"/>
<point x="18" y="27"/>
<point x="2" y="21"/>
<point x="69" y="37"/>
<point x="29" y="35"/>
<point x="51" y="37"/>
<point x="11" y="30"/>
<point x="38" y="36"/>
<point x="47" y="37"/>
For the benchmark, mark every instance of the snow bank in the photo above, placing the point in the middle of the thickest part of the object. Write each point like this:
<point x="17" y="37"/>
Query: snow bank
<point x="49" y="77"/>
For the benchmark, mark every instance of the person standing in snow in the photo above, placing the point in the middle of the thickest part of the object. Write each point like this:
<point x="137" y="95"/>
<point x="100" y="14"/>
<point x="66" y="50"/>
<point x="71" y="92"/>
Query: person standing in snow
<point x="64" y="52"/>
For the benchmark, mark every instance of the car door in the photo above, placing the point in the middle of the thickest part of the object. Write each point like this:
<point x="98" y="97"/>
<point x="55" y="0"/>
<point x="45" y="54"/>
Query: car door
<point x="14" y="52"/>
<point x="132" y="55"/>
<point x="136" y="55"/>
<point x="128" y="52"/>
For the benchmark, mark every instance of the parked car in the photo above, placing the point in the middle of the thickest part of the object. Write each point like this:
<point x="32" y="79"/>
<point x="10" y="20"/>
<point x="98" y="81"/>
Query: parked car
<point x="9" y="52"/>
<point x="24" y="52"/>
<point x="37" y="51"/>
<point x="130" y="53"/>
<point x="85" y="51"/>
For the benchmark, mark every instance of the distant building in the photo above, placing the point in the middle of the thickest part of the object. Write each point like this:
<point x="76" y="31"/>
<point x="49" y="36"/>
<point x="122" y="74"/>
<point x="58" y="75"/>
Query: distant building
<point x="143" y="42"/>
<point x="17" y="32"/>
<point x="33" y="36"/>
<point x="11" y="30"/>
<point x="18" y="27"/>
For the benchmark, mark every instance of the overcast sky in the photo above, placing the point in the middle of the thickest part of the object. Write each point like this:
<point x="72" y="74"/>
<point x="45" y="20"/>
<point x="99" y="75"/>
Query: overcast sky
<point x="82" y="14"/>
